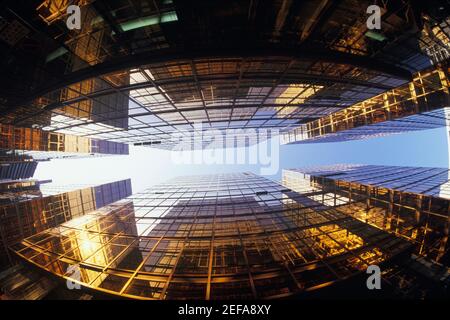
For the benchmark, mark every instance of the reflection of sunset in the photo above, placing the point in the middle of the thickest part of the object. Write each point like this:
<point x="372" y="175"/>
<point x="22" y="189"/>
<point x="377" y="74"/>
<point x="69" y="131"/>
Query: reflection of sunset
<point x="208" y="94"/>
<point x="195" y="243"/>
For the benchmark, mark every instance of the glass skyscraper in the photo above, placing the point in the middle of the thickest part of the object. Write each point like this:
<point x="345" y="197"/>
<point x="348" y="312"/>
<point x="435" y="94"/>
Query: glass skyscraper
<point x="22" y="148"/>
<point x="24" y="144"/>
<point x="28" y="207"/>
<point x="17" y="169"/>
<point x="147" y="73"/>
<point x="411" y="202"/>
<point x="211" y="237"/>
<point x="183" y="75"/>
<point x="421" y="104"/>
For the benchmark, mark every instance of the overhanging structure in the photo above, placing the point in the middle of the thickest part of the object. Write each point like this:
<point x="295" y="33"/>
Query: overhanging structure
<point x="418" y="105"/>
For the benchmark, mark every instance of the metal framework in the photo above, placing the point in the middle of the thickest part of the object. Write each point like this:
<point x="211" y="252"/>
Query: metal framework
<point x="417" y="105"/>
<point x="22" y="169"/>
<point x="411" y="202"/>
<point x="211" y="237"/>
<point x="30" y="207"/>
<point x="140" y="71"/>
<point x="19" y="144"/>
<point x="233" y="93"/>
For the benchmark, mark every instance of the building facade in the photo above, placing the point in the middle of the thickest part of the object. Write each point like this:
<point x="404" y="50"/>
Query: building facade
<point x="211" y="237"/>
<point x="28" y="207"/>
<point x="17" y="169"/>
<point x="21" y="144"/>
<point x="147" y="72"/>
<point x="419" y="105"/>
<point x="411" y="202"/>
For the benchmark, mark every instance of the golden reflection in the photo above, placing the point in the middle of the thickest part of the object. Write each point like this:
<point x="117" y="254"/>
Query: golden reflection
<point x="77" y="144"/>
<point x="419" y="218"/>
<point x="203" y="248"/>
<point x="424" y="93"/>
<point x="331" y="240"/>
<point x="366" y="258"/>
<point x="295" y="94"/>
<point x="93" y="240"/>
<point x="53" y="10"/>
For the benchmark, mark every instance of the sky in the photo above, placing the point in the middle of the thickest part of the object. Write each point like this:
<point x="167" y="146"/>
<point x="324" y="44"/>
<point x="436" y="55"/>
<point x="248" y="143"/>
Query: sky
<point x="149" y="166"/>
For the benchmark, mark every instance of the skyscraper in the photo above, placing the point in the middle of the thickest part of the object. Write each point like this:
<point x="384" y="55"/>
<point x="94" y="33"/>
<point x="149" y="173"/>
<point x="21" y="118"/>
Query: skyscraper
<point x="24" y="144"/>
<point x="28" y="208"/>
<point x="20" y="190"/>
<point x="21" y="149"/>
<point x="148" y="72"/>
<point x="17" y="169"/>
<point x="183" y="75"/>
<point x="411" y="202"/>
<point x="421" y="104"/>
<point x="211" y="237"/>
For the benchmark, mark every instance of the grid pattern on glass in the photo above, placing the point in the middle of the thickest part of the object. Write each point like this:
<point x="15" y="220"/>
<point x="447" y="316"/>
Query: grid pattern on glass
<point x="19" y="143"/>
<point x="27" y="210"/>
<point x="114" y="31"/>
<point x="15" y="169"/>
<point x="423" y="121"/>
<point x="221" y="93"/>
<point x="96" y="39"/>
<point x="211" y="237"/>
<point x="423" y="180"/>
<point x="145" y="103"/>
<point x="12" y="190"/>
<point x="411" y="202"/>
<point x="435" y="40"/>
<point x="417" y="105"/>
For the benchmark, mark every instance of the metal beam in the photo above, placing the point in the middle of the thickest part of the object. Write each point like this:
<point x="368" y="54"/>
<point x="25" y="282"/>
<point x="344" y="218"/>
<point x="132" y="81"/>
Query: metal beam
<point x="141" y="59"/>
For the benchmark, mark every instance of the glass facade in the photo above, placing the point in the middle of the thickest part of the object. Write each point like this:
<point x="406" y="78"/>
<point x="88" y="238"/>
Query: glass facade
<point x="19" y="190"/>
<point x="18" y="144"/>
<point x="418" y="105"/>
<point x="211" y="237"/>
<point x="411" y="202"/>
<point x="146" y="72"/>
<point x="29" y="208"/>
<point x="17" y="169"/>
<point x="181" y="75"/>
<point x="252" y="94"/>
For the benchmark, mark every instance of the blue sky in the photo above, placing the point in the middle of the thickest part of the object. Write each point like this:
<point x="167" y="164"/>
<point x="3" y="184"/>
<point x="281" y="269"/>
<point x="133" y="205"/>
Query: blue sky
<point x="148" y="166"/>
